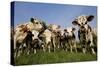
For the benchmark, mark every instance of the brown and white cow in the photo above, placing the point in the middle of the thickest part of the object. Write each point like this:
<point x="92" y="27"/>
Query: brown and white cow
<point x="21" y="31"/>
<point x="46" y="40"/>
<point x="85" y="32"/>
<point x="70" y="39"/>
<point x="36" y="24"/>
<point x="19" y="36"/>
<point x="55" y="29"/>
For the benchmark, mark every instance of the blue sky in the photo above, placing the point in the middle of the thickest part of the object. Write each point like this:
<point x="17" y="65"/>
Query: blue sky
<point x="52" y="13"/>
<point x="59" y="14"/>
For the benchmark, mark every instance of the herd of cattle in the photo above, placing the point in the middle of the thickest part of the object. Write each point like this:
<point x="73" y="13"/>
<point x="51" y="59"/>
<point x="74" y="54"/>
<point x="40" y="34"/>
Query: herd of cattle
<point x="36" y="35"/>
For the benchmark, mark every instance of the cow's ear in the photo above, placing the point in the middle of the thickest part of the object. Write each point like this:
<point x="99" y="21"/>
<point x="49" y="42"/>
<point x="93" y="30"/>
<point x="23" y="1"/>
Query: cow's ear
<point x="65" y="30"/>
<point x="50" y="27"/>
<point x="75" y="22"/>
<point x="32" y="20"/>
<point x="58" y="26"/>
<point x="90" y="18"/>
<point x="73" y="29"/>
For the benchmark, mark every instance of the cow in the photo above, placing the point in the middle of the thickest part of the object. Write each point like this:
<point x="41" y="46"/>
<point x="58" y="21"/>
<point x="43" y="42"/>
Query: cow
<point x="36" y="42"/>
<point x="46" y="40"/>
<point x="32" y="41"/>
<point x="70" y="39"/>
<point x="36" y="24"/>
<point x="62" y="39"/>
<point x="21" y="32"/>
<point x="55" y="29"/>
<point x="28" y="42"/>
<point x="85" y="32"/>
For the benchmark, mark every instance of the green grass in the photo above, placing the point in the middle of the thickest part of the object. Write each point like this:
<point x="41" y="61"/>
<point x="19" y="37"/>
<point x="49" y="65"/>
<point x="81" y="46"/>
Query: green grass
<point x="54" y="57"/>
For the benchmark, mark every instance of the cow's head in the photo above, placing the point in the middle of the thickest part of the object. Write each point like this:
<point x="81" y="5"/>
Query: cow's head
<point x="62" y="34"/>
<point x="54" y="28"/>
<point x="69" y="31"/>
<point x="82" y="21"/>
<point x="47" y="32"/>
<point x="35" y="33"/>
<point x="38" y="24"/>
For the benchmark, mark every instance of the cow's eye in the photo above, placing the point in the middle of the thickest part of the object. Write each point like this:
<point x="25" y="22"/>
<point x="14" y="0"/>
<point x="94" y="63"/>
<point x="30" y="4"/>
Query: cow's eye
<point x="36" y="22"/>
<point x="67" y="32"/>
<point x="79" y="24"/>
<point x="86" y="23"/>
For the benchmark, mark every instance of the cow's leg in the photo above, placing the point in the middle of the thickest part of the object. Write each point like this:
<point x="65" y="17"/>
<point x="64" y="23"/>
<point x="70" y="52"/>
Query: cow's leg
<point x="71" y="48"/>
<point x="19" y="53"/>
<point x="92" y="48"/>
<point x="58" y="42"/>
<point x="75" y="47"/>
<point x="49" y="47"/>
<point x="93" y="51"/>
<point x="70" y="45"/>
<point x="84" y="49"/>
<point x="24" y="47"/>
<point x="43" y="46"/>
<point x="15" y="52"/>
<point x="15" y="47"/>
<point x="58" y="45"/>
<point x="83" y="43"/>
<point x="28" y="52"/>
<point x="54" y="44"/>
<point x="28" y="48"/>
<point x="62" y="44"/>
<point x="18" y="49"/>
<point x="35" y="47"/>
<point x="15" y="42"/>
<point x="66" y="47"/>
<point x="35" y="51"/>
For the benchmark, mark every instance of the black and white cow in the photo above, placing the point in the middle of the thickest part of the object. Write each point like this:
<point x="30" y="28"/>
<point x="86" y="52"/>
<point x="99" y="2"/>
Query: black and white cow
<point x="85" y="32"/>
<point x="36" y="42"/>
<point x="32" y="41"/>
<point x="70" y="39"/>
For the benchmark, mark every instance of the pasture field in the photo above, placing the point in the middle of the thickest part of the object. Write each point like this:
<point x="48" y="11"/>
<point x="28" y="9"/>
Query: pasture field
<point x="59" y="56"/>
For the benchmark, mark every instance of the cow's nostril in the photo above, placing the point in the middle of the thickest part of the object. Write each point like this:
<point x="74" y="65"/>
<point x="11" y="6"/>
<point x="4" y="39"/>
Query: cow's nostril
<point x="82" y="26"/>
